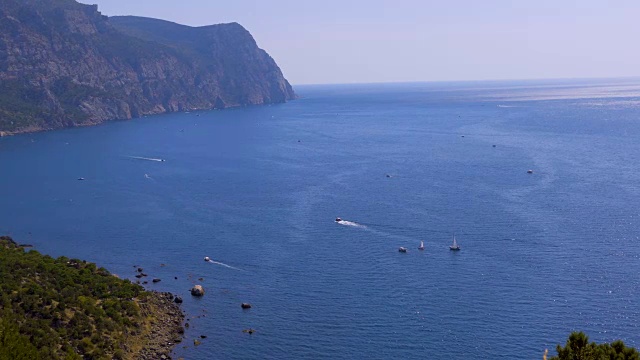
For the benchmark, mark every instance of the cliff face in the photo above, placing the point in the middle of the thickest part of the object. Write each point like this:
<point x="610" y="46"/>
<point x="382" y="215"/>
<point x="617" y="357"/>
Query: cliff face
<point x="64" y="64"/>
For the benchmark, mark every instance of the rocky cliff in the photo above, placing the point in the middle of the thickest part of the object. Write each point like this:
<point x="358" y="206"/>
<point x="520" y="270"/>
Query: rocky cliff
<point x="64" y="64"/>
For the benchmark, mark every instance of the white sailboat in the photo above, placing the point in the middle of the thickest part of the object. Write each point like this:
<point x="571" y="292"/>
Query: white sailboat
<point x="454" y="246"/>
<point x="421" y="247"/>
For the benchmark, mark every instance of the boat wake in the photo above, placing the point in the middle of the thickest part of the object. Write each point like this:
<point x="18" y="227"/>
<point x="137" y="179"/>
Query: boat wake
<point x="223" y="264"/>
<point x="506" y="106"/>
<point x="351" y="223"/>
<point x="145" y="158"/>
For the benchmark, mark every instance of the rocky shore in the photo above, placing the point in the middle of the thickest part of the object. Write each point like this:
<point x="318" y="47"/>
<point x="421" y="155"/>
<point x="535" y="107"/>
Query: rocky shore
<point x="163" y="330"/>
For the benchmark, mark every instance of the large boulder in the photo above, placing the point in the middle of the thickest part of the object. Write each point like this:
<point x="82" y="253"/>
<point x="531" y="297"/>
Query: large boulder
<point x="197" y="290"/>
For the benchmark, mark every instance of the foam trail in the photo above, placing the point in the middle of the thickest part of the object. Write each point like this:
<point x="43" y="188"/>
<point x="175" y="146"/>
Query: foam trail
<point x="351" y="223"/>
<point x="223" y="264"/>
<point x="145" y="158"/>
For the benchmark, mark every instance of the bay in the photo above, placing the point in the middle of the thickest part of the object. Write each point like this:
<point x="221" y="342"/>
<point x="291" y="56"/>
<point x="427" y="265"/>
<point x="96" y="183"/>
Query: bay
<point x="258" y="189"/>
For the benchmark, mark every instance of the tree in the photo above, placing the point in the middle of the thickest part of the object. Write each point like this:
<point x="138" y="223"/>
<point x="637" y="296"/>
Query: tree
<point x="578" y="347"/>
<point x="13" y="345"/>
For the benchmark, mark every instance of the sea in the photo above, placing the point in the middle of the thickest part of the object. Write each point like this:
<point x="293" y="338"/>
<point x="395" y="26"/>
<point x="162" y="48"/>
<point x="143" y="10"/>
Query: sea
<point x="258" y="189"/>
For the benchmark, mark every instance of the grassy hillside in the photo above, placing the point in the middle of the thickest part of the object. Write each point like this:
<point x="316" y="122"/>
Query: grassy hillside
<point x="67" y="309"/>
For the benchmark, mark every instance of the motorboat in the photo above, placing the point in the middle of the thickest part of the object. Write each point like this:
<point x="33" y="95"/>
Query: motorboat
<point x="338" y="219"/>
<point x="402" y="249"/>
<point x="421" y="247"/>
<point x="206" y="258"/>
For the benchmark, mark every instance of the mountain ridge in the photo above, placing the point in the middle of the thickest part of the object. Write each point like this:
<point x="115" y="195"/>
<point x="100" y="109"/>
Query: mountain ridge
<point x="64" y="64"/>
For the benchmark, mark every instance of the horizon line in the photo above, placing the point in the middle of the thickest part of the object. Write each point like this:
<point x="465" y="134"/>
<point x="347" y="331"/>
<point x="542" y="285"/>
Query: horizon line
<point x="392" y="82"/>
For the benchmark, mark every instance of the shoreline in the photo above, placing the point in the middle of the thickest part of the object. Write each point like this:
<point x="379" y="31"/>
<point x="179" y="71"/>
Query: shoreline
<point x="36" y="129"/>
<point x="164" y="327"/>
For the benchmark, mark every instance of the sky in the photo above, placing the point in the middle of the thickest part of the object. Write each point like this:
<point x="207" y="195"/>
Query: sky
<point x="365" y="41"/>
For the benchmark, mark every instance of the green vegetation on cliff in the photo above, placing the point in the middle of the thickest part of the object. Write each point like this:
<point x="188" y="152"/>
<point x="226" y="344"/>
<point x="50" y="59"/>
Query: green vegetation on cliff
<point x="578" y="347"/>
<point x="65" y="308"/>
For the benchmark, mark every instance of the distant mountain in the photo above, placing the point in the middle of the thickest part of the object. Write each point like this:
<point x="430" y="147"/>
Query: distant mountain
<point x="64" y="64"/>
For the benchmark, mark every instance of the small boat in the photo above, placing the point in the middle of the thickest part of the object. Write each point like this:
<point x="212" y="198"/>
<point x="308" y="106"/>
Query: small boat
<point x="206" y="258"/>
<point x="454" y="246"/>
<point x="80" y="178"/>
<point x="402" y="249"/>
<point x="338" y="219"/>
<point x="421" y="247"/>
<point x="529" y="171"/>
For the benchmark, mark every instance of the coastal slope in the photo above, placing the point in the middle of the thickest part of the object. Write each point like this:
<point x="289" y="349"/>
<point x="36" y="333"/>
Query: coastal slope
<point x="71" y="309"/>
<point x="64" y="64"/>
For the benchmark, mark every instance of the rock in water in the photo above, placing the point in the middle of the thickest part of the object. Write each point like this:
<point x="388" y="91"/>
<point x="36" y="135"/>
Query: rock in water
<point x="197" y="290"/>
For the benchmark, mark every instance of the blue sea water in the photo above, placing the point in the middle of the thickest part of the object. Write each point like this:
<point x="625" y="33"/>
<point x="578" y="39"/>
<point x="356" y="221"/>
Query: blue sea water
<point x="258" y="189"/>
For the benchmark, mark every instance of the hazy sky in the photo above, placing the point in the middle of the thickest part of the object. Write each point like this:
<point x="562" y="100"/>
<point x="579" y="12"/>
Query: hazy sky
<point x="347" y="41"/>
